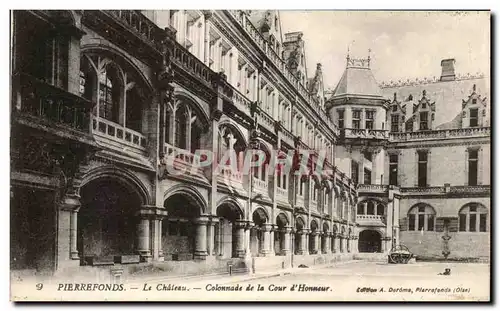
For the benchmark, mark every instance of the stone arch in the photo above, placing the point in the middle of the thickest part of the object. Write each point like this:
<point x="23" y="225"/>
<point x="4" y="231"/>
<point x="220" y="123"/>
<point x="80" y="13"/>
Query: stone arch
<point x="230" y="124"/>
<point x="282" y="218"/>
<point x="313" y="225"/>
<point x="261" y="213"/>
<point x="189" y="191"/>
<point x="233" y="205"/>
<point x="481" y="205"/>
<point x="326" y="227"/>
<point x="370" y="241"/>
<point x="299" y="223"/>
<point x="67" y="17"/>
<point x="108" y="219"/>
<point x="123" y="176"/>
<point x="196" y="104"/>
<point x="120" y="58"/>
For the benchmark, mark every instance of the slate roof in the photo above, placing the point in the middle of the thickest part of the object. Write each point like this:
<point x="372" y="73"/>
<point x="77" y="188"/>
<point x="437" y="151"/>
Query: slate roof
<point x="448" y="96"/>
<point x="357" y="82"/>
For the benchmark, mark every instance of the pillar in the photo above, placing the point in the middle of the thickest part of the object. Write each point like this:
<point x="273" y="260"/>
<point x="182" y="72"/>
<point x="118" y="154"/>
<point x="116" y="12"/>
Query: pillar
<point x="211" y="236"/>
<point x="159" y="235"/>
<point x="206" y="47"/>
<point x="143" y="238"/>
<point x="265" y="246"/>
<point x="200" y="244"/>
<point x="67" y="219"/>
<point x="241" y="238"/>
<point x="287" y="246"/>
<point x="305" y="245"/>
<point x="316" y="243"/>
<point x="271" y="238"/>
<point x="73" y="235"/>
<point x="326" y="243"/>
<point x="156" y="248"/>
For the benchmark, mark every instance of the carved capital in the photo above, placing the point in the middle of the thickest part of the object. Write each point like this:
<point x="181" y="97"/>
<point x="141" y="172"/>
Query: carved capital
<point x="216" y="114"/>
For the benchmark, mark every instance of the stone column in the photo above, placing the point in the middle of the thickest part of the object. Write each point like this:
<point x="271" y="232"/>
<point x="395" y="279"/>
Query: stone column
<point x="316" y="243"/>
<point x="67" y="219"/>
<point x="302" y="243"/>
<point x="159" y="236"/>
<point x="211" y="251"/>
<point x="143" y="238"/>
<point x="326" y="243"/>
<point x="305" y="240"/>
<point x="240" y="238"/>
<point x="200" y="244"/>
<point x="266" y="238"/>
<point x="206" y="48"/>
<point x="271" y="240"/>
<point x="287" y="246"/>
<point x="73" y="233"/>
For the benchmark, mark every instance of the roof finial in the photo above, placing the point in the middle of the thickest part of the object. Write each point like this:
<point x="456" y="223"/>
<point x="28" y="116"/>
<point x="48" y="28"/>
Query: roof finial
<point x="474" y="88"/>
<point x="347" y="57"/>
<point x="369" y="51"/>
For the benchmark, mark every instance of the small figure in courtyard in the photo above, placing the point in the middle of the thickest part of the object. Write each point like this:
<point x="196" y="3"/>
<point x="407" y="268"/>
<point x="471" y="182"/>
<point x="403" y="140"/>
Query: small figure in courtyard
<point x="447" y="271"/>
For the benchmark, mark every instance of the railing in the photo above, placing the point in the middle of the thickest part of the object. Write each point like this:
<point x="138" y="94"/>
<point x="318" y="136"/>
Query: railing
<point x="282" y="194"/>
<point x="232" y="175"/>
<point x="140" y="24"/>
<point x="39" y="99"/>
<point x="470" y="189"/>
<point x="118" y="133"/>
<point x="422" y="190"/>
<point x="447" y="189"/>
<point x="372" y="188"/>
<point x="440" y="134"/>
<point x="184" y="59"/>
<point x="287" y="136"/>
<point x="366" y="133"/>
<point x="241" y="101"/>
<point x="259" y="184"/>
<point x="265" y="119"/>
<point x="380" y="218"/>
<point x="182" y="156"/>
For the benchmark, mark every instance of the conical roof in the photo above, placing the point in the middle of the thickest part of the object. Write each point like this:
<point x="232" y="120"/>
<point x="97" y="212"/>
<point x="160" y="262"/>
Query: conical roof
<point x="357" y="81"/>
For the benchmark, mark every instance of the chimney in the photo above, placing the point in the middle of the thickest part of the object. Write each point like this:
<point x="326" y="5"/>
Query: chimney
<point x="448" y="69"/>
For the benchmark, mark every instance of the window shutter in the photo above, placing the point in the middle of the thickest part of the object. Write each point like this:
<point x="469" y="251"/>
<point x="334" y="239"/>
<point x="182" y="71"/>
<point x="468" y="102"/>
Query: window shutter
<point x="453" y="226"/>
<point x="440" y="224"/>
<point x="403" y="224"/>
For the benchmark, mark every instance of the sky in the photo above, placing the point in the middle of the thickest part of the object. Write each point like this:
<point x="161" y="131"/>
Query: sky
<point x="404" y="45"/>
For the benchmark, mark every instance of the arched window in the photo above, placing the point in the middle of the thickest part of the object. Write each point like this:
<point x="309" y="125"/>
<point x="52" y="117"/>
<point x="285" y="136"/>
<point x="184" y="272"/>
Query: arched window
<point x="421" y="217"/>
<point x="87" y="79"/>
<point x="473" y="218"/>
<point x="380" y="209"/>
<point x="361" y="209"/>
<point x="181" y="122"/>
<point x="109" y="93"/>
<point x="370" y="208"/>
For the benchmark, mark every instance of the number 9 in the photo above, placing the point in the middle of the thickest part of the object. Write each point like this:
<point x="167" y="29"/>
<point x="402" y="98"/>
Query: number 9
<point x="39" y="286"/>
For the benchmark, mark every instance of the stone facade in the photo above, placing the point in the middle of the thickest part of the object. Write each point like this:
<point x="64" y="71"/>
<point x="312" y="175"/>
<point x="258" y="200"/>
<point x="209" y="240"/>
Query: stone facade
<point x="104" y="101"/>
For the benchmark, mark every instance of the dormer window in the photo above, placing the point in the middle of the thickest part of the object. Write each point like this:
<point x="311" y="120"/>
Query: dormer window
<point x="474" y="101"/>
<point x="395" y="123"/>
<point x="424" y="121"/>
<point x="424" y="106"/>
<point x="394" y="108"/>
<point x="473" y="120"/>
